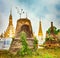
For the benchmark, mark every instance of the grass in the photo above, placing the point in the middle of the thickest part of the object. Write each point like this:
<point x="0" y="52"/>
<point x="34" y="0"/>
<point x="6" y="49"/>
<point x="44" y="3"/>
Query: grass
<point x="40" y="53"/>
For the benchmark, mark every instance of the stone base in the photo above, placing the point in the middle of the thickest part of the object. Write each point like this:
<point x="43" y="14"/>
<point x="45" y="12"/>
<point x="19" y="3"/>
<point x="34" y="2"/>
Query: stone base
<point x="16" y="44"/>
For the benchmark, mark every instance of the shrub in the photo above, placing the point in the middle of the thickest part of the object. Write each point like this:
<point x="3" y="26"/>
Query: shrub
<point x="25" y="49"/>
<point x="35" y="44"/>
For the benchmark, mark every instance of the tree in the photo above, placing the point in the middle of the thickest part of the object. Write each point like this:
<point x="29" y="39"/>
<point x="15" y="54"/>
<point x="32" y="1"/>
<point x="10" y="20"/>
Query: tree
<point x="35" y="43"/>
<point x="25" y="49"/>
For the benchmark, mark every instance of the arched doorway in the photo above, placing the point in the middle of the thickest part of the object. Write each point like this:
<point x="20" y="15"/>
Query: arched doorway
<point x="26" y="29"/>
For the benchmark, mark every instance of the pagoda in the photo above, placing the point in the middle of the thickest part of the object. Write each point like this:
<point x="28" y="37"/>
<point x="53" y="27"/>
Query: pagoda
<point x="10" y="31"/>
<point x="51" y="32"/>
<point x="40" y="35"/>
<point x="23" y="25"/>
<point x="52" y="37"/>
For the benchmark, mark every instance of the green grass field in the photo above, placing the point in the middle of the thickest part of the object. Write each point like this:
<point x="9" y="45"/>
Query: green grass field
<point x="41" y="53"/>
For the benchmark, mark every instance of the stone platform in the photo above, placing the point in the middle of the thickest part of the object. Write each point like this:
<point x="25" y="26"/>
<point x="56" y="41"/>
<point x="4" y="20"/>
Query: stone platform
<point x="16" y="44"/>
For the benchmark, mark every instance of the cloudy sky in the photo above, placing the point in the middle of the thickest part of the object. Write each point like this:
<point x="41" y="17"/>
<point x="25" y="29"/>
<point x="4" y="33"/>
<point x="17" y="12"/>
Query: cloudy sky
<point x="44" y="10"/>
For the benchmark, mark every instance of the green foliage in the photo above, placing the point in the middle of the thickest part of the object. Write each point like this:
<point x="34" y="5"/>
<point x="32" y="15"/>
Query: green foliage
<point x="25" y="49"/>
<point x="58" y="30"/>
<point x="46" y="39"/>
<point x="49" y="38"/>
<point x="23" y="39"/>
<point x="35" y="43"/>
<point x="48" y="31"/>
<point x="55" y="30"/>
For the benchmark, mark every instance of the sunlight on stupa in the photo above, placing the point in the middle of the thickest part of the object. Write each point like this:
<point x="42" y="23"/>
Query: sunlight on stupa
<point x="40" y="36"/>
<point x="10" y="31"/>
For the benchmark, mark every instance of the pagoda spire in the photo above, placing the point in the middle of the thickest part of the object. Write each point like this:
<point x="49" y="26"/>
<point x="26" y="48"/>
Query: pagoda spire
<point x="40" y="33"/>
<point x="40" y="36"/>
<point x="10" y="31"/>
<point x="52" y="27"/>
<point x="10" y="18"/>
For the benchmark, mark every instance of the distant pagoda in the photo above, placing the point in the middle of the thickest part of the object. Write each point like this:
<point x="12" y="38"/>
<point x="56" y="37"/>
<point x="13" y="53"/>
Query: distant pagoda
<point x="52" y="37"/>
<point x="51" y="32"/>
<point x="40" y="35"/>
<point x="10" y="32"/>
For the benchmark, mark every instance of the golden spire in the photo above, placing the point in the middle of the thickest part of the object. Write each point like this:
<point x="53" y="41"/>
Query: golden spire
<point x="40" y="33"/>
<point x="10" y="18"/>
<point x="10" y="31"/>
